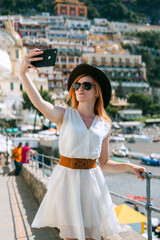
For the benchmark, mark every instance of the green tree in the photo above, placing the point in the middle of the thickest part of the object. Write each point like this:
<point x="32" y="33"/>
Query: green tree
<point x="120" y="91"/>
<point x="27" y="104"/>
<point x="141" y="101"/>
<point x="116" y="10"/>
<point x="150" y="39"/>
<point x="154" y="109"/>
<point x="111" y="111"/>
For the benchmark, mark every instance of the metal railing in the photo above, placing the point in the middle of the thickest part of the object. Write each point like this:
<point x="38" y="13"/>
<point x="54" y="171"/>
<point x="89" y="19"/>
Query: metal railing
<point x="39" y="159"/>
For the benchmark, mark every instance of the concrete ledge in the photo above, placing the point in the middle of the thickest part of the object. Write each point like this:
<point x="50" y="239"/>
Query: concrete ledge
<point x="36" y="181"/>
<point x="38" y="185"/>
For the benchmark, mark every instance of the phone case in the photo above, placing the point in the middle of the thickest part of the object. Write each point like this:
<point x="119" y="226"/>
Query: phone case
<point x="49" y="58"/>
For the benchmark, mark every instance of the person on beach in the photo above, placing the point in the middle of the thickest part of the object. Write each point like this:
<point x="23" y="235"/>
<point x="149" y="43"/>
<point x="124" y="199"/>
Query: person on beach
<point x="17" y="157"/>
<point x="78" y="201"/>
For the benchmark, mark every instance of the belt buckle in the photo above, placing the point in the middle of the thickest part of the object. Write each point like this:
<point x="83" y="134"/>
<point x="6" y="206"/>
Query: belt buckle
<point x="80" y="164"/>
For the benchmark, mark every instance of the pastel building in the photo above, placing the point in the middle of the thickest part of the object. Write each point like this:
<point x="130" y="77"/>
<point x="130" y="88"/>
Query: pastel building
<point x="10" y="83"/>
<point x="125" y="67"/>
<point x="72" y="8"/>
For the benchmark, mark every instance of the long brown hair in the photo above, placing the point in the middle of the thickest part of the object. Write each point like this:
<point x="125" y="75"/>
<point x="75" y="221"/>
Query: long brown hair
<point x="98" y="108"/>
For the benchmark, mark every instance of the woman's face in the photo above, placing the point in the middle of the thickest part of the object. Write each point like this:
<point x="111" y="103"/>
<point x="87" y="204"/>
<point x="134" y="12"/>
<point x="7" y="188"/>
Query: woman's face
<point x="82" y="94"/>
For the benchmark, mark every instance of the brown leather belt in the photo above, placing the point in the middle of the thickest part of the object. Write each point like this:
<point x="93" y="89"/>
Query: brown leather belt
<point x="77" y="163"/>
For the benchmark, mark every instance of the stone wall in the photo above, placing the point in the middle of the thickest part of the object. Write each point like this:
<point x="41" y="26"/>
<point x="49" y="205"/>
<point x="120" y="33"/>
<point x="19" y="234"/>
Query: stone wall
<point x="35" y="181"/>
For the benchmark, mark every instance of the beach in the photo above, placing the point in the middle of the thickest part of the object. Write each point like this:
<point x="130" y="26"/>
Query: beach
<point x="128" y="184"/>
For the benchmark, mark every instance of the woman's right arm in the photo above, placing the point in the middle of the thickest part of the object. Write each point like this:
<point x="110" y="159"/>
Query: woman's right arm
<point x="54" y="114"/>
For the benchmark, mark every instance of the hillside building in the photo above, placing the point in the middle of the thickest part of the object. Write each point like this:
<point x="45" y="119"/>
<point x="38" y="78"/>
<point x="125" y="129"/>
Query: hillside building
<point x="72" y="8"/>
<point x="125" y="69"/>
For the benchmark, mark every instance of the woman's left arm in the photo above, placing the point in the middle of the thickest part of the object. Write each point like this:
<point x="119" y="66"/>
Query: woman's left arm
<point x="108" y="165"/>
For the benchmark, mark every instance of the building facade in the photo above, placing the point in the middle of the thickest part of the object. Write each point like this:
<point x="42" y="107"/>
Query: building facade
<point x="72" y="8"/>
<point x="123" y="69"/>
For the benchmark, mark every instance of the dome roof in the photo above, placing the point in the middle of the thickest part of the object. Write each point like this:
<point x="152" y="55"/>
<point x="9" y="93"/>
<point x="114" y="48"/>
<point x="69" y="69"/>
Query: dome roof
<point x="16" y="37"/>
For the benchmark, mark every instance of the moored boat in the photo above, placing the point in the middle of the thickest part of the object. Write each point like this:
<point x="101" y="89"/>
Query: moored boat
<point x="120" y="151"/>
<point x="151" y="161"/>
<point x="135" y="155"/>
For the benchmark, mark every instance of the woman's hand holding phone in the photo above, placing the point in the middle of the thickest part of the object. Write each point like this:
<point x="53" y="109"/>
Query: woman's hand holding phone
<point x="31" y="56"/>
<point x="38" y="58"/>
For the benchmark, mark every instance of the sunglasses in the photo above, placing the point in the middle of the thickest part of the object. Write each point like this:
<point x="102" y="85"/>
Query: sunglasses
<point x="85" y="85"/>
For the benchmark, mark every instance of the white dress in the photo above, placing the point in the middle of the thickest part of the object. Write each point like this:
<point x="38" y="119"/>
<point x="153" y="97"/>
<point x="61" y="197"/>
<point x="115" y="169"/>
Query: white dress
<point x="78" y="200"/>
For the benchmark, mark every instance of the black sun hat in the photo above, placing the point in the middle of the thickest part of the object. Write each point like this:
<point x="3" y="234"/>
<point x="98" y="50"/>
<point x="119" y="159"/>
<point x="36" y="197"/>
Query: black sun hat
<point x="98" y="75"/>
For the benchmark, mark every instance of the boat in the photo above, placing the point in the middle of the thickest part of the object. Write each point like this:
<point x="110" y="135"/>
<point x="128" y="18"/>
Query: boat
<point x="122" y="160"/>
<point x="135" y="155"/>
<point x="120" y="151"/>
<point x="130" y="140"/>
<point x="155" y="155"/>
<point x="139" y="138"/>
<point x="116" y="139"/>
<point x="138" y="198"/>
<point x="150" y="161"/>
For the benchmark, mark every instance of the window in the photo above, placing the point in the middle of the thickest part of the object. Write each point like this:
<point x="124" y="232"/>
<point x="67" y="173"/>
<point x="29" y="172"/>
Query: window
<point x="63" y="49"/>
<point x="58" y="84"/>
<point x="78" y="50"/>
<point x="17" y="53"/>
<point x="12" y="86"/>
<point x="71" y="60"/>
<point x="103" y="59"/>
<point x="58" y="77"/>
<point x="50" y="77"/>
<point x="21" y="87"/>
<point x="112" y="74"/>
<point x="136" y="61"/>
<point x="127" y="60"/>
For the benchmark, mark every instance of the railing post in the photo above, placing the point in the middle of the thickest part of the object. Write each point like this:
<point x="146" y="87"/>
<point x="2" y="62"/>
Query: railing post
<point x="43" y="164"/>
<point x="148" y="204"/>
<point x="32" y="160"/>
<point x="36" y="157"/>
<point x="51" y="160"/>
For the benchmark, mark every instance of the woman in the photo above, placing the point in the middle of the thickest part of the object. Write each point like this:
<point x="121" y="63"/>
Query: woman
<point x="78" y="201"/>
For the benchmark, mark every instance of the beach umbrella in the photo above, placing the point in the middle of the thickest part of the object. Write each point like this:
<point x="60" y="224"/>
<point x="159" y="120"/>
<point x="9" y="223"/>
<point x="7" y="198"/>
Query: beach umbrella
<point x="129" y="216"/>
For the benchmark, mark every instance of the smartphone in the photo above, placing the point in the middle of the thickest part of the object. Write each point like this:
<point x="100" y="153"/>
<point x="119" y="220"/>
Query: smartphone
<point x="49" y="58"/>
